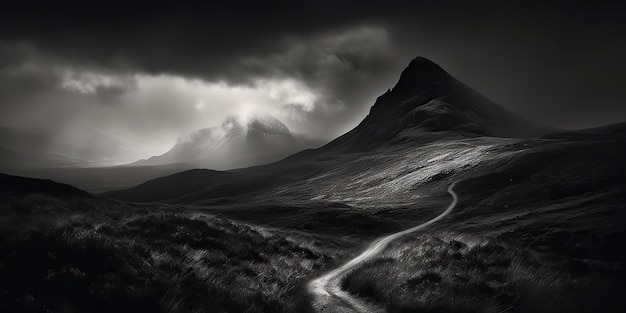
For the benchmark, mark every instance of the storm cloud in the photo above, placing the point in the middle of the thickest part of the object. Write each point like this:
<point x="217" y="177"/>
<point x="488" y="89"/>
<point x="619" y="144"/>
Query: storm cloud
<point x="147" y="74"/>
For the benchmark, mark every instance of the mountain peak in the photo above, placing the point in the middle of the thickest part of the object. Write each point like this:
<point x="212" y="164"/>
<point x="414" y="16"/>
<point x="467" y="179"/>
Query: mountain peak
<point x="266" y="123"/>
<point x="245" y="139"/>
<point x="253" y="121"/>
<point x="421" y="73"/>
<point x="427" y="100"/>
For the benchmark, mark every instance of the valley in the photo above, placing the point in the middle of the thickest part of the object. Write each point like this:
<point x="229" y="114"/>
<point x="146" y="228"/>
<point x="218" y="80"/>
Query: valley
<point x="365" y="223"/>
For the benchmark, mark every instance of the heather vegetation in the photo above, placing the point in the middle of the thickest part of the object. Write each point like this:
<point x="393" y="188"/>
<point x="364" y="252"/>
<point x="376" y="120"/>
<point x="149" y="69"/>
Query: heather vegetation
<point x="451" y="273"/>
<point x="77" y="254"/>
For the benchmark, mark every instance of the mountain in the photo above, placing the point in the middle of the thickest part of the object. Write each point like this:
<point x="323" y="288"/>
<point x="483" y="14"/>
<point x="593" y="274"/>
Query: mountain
<point x="427" y="105"/>
<point x="427" y="100"/>
<point x="237" y="142"/>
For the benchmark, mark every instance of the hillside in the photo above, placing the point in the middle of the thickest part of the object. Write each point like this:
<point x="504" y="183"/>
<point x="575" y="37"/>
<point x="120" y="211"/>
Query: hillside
<point x="15" y="185"/>
<point x="62" y="250"/>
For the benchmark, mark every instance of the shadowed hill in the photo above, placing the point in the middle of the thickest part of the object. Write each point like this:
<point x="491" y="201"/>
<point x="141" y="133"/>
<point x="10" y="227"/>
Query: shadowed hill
<point x="11" y="185"/>
<point x="169" y="187"/>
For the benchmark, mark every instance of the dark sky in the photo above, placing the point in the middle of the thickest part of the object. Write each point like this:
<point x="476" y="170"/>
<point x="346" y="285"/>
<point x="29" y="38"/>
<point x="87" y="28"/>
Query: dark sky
<point x="145" y="75"/>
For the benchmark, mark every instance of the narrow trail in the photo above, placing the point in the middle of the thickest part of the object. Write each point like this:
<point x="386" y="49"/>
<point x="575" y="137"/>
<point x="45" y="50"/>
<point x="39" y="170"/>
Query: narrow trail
<point x="328" y="296"/>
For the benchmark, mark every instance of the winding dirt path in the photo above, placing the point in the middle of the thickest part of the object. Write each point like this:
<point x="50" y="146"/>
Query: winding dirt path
<point x="328" y="296"/>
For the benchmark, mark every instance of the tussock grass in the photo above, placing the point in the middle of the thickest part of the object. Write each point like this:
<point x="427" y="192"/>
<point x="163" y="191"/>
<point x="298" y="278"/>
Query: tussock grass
<point x="446" y="273"/>
<point x="91" y="255"/>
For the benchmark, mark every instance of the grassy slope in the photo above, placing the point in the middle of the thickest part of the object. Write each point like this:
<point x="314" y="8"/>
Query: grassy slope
<point x="538" y="231"/>
<point x="83" y="254"/>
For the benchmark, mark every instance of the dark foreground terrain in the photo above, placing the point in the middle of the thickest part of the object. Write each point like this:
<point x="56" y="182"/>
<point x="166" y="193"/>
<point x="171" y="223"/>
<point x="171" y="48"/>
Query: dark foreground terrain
<point x="66" y="251"/>
<point x="538" y="227"/>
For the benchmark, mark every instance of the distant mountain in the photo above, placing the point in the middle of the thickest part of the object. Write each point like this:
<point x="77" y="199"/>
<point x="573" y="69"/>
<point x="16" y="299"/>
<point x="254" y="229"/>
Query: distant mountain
<point x="428" y="100"/>
<point x="237" y="142"/>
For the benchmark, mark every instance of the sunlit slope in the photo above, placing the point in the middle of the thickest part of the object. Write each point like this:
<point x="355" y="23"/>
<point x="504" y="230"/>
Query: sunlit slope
<point x="399" y="175"/>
